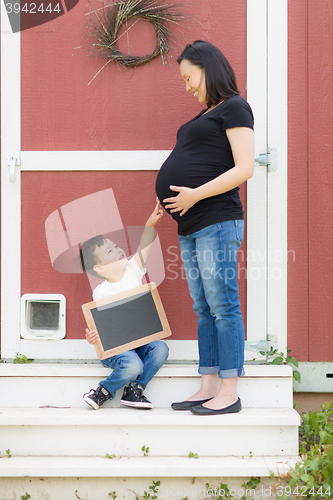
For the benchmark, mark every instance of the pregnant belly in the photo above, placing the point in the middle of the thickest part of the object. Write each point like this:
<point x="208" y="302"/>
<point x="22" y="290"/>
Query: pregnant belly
<point x="177" y="173"/>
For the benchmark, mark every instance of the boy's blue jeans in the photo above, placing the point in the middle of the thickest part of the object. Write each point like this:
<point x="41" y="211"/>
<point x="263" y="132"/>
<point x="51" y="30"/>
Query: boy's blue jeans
<point x="210" y="262"/>
<point x="137" y="366"/>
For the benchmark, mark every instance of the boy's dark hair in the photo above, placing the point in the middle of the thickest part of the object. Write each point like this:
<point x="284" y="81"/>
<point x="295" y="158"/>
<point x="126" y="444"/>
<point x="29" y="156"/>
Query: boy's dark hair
<point x="219" y="75"/>
<point x="88" y="259"/>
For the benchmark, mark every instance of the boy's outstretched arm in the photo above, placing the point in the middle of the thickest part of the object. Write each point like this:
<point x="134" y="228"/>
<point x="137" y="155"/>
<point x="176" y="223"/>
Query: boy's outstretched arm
<point x="148" y="234"/>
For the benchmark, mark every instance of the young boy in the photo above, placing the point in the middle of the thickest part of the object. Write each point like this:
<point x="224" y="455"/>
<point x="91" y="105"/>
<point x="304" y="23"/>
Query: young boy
<point x="132" y="369"/>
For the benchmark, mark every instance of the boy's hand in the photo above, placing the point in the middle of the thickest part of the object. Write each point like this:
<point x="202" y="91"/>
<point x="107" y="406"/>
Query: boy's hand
<point x="91" y="336"/>
<point x="156" y="215"/>
<point x="148" y="235"/>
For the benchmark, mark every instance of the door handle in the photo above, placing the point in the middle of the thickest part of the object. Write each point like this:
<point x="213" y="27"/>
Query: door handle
<point x="13" y="160"/>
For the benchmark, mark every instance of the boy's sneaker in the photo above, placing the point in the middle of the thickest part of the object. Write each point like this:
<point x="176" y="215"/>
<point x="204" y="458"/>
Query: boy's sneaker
<point x="96" y="398"/>
<point x="133" y="396"/>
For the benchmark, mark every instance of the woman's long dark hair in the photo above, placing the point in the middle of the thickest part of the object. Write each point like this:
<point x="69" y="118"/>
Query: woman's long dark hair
<point x="220" y="77"/>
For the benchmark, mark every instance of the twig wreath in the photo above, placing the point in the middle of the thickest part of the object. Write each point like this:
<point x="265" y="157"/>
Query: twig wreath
<point x="106" y="22"/>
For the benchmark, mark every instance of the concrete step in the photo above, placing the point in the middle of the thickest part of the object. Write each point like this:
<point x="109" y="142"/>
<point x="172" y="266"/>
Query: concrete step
<point x="137" y="467"/>
<point x="257" y="432"/>
<point x="62" y="385"/>
<point x="89" y="478"/>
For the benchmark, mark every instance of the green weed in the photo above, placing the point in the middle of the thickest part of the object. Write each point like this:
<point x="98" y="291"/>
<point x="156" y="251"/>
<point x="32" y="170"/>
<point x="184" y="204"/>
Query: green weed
<point x="145" y="450"/>
<point x="19" y="359"/>
<point x="279" y="358"/>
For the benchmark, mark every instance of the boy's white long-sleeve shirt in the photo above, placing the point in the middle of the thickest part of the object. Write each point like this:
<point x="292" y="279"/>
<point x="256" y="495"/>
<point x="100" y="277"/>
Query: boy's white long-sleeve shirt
<point x="132" y="278"/>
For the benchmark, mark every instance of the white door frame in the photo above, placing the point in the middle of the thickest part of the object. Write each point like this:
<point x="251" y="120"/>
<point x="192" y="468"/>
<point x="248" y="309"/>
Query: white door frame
<point x="277" y="181"/>
<point x="266" y="222"/>
<point x="267" y="191"/>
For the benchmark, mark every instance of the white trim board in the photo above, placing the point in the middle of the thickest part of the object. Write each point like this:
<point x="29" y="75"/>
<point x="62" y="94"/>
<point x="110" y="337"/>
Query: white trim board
<point x="92" y="160"/>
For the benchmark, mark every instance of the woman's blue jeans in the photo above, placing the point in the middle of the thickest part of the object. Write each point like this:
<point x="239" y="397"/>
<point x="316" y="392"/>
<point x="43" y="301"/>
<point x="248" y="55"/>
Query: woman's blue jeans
<point x="210" y="262"/>
<point x="137" y="366"/>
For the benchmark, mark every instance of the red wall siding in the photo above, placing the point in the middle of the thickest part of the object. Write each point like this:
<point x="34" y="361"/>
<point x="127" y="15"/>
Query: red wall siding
<point x="120" y="109"/>
<point x="310" y="180"/>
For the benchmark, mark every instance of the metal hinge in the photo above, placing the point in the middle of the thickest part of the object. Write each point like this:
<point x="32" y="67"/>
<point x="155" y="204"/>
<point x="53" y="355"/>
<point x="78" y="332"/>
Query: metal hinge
<point x="262" y="345"/>
<point x="268" y="159"/>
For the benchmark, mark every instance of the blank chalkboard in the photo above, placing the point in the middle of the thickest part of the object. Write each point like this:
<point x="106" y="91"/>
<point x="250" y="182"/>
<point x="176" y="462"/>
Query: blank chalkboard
<point x="127" y="320"/>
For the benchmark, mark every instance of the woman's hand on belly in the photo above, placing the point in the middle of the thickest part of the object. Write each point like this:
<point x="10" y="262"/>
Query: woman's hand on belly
<point x="185" y="199"/>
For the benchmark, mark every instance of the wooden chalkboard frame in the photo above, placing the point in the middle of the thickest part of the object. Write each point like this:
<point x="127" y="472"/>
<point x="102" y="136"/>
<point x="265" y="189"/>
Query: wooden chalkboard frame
<point x="89" y="308"/>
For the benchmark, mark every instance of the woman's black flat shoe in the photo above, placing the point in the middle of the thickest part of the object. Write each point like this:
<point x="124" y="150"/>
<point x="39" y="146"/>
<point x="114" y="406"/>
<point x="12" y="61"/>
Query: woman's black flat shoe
<point x="201" y="410"/>
<point x="187" y="405"/>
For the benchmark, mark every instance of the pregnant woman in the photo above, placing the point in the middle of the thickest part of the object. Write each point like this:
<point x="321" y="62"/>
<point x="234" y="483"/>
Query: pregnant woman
<point x="198" y="186"/>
